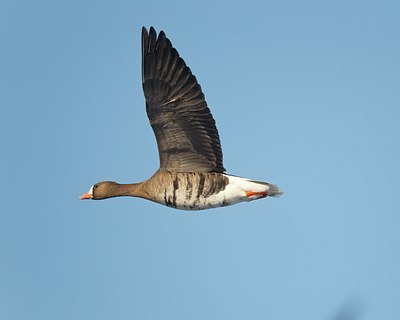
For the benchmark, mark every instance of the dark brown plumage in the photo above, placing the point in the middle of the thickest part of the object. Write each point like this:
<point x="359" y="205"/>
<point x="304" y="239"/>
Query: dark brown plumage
<point x="185" y="130"/>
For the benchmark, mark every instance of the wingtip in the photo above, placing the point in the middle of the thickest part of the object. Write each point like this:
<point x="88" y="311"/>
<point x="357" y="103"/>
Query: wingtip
<point x="145" y="35"/>
<point x="152" y="31"/>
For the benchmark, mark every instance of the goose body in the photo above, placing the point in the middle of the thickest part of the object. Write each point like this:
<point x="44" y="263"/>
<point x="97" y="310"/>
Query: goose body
<point x="197" y="191"/>
<point x="191" y="174"/>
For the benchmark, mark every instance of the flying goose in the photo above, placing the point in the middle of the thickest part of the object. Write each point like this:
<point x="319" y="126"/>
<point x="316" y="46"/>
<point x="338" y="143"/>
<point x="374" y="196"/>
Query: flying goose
<point x="191" y="174"/>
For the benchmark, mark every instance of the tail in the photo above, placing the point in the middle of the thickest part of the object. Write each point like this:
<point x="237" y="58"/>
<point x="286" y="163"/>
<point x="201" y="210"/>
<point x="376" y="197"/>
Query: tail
<point x="273" y="190"/>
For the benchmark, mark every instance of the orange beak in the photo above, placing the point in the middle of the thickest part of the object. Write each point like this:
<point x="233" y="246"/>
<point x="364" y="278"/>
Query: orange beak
<point x="85" y="196"/>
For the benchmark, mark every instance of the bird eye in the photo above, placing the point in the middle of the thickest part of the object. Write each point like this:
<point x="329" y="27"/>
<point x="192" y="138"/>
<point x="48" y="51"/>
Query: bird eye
<point x="95" y="186"/>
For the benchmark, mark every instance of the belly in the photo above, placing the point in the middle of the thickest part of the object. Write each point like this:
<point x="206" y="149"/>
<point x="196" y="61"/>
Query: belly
<point x="187" y="201"/>
<point x="198" y="191"/>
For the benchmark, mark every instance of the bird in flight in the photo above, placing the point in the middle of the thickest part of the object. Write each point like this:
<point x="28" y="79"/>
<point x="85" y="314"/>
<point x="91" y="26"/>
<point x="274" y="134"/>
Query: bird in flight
<point x="191" y="174"/>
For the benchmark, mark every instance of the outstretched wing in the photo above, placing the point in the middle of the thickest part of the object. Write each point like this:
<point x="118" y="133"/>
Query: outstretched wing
<point x="185" y="130"/>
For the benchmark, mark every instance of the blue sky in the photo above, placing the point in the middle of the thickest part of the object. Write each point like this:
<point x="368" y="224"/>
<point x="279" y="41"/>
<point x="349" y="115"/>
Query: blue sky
<point x="305" y="94"/>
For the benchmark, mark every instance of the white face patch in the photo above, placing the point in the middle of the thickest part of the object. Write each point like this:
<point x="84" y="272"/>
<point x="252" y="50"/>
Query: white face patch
<point x="90" y="191"/>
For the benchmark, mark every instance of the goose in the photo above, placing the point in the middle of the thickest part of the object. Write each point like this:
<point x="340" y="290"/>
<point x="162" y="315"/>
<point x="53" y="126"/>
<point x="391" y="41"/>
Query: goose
<point x="191" y="174"/>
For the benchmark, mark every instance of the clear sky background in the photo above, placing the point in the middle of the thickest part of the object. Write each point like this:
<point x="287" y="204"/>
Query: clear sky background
<point x="305" y="94"/>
